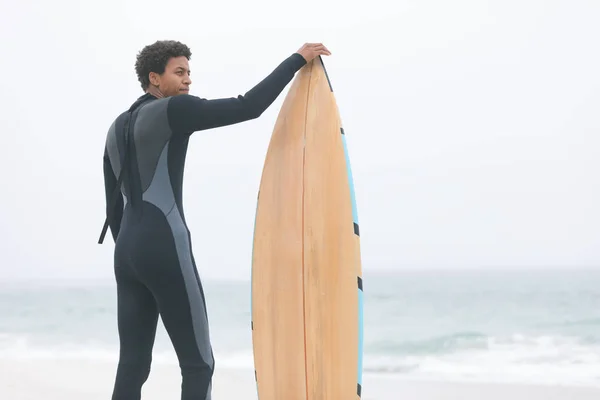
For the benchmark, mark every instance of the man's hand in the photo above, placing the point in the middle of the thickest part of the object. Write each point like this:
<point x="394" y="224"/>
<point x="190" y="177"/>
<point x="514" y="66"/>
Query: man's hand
<point x="311" y="50"/>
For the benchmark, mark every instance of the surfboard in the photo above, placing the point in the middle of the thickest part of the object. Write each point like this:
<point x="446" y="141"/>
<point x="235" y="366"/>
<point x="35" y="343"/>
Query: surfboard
<point x="306" y="296"/>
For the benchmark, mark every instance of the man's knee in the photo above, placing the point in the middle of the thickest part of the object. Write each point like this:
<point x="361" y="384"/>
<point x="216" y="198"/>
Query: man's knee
<point x="197" y="369"/>
<point x="135" y="369"/>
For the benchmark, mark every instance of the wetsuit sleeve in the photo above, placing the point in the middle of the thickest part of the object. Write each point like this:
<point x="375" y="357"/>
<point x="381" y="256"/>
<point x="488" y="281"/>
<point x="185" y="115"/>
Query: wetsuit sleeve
<point x="110" y="185"/>
<point x="189" y="113"/>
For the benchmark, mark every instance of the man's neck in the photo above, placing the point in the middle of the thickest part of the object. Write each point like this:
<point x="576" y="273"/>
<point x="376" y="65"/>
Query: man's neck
<point x="154" y="91"/>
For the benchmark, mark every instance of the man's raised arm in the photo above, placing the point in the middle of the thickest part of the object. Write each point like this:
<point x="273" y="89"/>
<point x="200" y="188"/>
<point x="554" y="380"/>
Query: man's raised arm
<point x="189" y="113"/>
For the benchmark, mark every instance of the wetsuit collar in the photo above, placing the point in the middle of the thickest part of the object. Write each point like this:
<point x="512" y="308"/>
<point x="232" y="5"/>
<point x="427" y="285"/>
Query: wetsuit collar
<point x="142" y="99"/>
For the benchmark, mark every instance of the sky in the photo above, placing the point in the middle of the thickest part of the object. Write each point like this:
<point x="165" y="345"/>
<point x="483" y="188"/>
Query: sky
<point x="472" y="126"/>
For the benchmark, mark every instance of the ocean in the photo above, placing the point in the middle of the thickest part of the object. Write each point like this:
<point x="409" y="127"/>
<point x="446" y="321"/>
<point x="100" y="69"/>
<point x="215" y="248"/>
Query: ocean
<point x="511" y="326"/>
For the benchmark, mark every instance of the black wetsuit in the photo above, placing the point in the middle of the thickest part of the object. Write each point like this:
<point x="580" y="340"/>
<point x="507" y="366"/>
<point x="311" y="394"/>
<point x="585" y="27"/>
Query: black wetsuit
<point x="153" y="261"/>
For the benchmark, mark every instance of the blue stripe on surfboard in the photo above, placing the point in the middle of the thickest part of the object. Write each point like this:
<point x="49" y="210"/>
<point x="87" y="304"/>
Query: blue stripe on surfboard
<point x="350" y="179"/>
<point x="360" y="337"/>
<point x="359" y="279"/>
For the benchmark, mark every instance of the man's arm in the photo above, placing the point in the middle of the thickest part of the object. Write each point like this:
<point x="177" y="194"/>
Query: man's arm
<point x="190" y="113"/>
<point x="110" y="185"/>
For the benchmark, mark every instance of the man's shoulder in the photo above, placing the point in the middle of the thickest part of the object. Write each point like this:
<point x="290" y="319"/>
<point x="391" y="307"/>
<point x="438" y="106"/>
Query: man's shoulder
<point x="183" y="105"/>
<point x="118" y="120"/>
<point x="151" y="105"/>
<point x="183" y="100"/>
<point x="155" y="113"/>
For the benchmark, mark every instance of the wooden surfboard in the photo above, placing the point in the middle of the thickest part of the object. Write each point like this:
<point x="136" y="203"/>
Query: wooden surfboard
<point x="306" y="266"/>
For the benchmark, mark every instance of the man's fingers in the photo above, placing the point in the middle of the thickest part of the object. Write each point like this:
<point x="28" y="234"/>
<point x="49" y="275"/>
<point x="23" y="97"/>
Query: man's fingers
<point x="321" y="49"/>
<point x="311" y="50"/>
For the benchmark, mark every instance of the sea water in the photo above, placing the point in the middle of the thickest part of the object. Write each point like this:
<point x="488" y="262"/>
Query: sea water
<point x="527" y="326"/>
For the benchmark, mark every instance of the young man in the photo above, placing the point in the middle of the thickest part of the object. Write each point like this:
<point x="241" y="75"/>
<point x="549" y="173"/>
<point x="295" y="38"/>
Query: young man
<point x="153" y="261"/>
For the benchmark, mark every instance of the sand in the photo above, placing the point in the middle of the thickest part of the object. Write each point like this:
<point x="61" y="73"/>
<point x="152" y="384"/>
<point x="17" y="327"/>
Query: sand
<point x="51" y="379"/>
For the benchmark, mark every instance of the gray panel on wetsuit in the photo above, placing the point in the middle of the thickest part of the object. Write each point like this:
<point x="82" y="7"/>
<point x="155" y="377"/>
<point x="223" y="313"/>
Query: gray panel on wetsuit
<point x="151" y="133"/>
<point x="199" y="318"/>
<point x="160" y="193"/>
<point x="112" y="149"/>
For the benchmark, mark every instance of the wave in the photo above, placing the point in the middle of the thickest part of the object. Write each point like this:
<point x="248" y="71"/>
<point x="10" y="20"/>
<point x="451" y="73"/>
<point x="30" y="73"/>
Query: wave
<point x="475" y="356"/>
<point x="469" y="341"/>
<point x="469" y="356"/>
<point x="585" y="322"/>
<point x="435" y="345"/>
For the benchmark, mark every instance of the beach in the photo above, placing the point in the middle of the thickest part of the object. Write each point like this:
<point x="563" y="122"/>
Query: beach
<point x="54" y="379"/>
<point x="457" y="336"/>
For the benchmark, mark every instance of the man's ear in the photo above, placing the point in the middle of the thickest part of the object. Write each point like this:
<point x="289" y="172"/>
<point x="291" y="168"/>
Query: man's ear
<point x="154" y="78"/>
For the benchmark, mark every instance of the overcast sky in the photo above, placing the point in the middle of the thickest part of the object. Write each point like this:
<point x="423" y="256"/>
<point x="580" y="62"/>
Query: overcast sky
<point x="473" y="126"/>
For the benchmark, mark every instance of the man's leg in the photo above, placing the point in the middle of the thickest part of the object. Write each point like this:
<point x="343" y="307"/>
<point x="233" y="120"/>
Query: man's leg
<point x="183" y="314"/>
<point x="137" y="320"/>
<point x="178" y="293"/>
<point x="164" y="263"/>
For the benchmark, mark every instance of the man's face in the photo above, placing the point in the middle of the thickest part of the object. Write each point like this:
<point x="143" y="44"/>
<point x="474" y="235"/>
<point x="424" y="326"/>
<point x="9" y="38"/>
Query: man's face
<point x="176" y="78"/>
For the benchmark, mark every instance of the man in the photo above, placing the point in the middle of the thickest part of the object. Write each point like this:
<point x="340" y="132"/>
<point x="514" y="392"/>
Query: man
<point x="153" y="262"/>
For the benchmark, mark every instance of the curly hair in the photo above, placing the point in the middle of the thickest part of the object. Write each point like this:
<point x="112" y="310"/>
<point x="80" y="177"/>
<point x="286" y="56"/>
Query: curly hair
<point x="154" y="58"/>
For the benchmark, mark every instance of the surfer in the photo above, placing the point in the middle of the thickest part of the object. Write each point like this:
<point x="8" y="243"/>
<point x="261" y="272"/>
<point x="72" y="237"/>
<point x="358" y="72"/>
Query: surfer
<point x="154" y="265"/>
